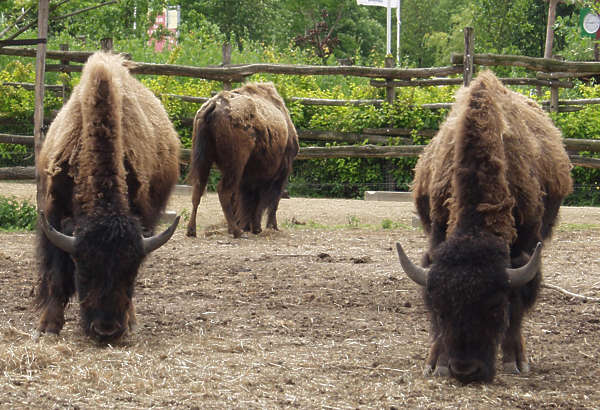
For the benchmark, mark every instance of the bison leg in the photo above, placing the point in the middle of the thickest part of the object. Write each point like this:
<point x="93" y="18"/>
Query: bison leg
<point x="196" y="194"/>
<point x="131" y="320"/>
<point x="198" y="189"/>
<point x="272" y="217"/>
<point x="56" y="286"/>
<point x="226" y="188"/>
<point x="437" y="361"/>
<point x="272" y="206"/>
<point x="514" y="356"/>
<point x="271" y="200"/>
<point x="249" y="207"/>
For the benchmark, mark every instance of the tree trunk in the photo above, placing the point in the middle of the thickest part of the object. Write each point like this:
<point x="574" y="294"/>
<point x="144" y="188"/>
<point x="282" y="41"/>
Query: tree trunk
<point x="550" y="27"/>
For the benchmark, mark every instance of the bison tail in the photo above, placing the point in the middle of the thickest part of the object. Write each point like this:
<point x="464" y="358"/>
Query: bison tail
<point x="200" y="136"/>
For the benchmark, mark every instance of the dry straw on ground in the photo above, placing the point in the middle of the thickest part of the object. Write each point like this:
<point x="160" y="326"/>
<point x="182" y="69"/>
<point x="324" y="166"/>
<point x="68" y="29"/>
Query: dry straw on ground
<point x="316" y="315"/>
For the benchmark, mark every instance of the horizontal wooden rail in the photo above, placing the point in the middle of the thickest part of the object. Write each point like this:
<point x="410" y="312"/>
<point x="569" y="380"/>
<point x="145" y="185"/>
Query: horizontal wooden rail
<point x="187" y="98"/>
<point x="332" y="102"/>
<point x="350" y="137"/>
<point x="532" y="63"/>
<point x="364" y="151"/>
<point x="16" y="139"/>
<point x="31" y="86"/>
<point x="238" y="72"/>
<point x="582" y="101"/>
<point x="17" y="173"/>
<point x="76" y="56"/>
<point x="373" y="135"/>
<point x="459" y="81"/>
<point x="395" y="132"/>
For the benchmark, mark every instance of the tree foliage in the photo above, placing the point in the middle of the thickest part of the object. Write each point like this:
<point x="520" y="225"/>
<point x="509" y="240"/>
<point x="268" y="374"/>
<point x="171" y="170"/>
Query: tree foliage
<point x="265" y="30"/>
<point x="430" y="28"/>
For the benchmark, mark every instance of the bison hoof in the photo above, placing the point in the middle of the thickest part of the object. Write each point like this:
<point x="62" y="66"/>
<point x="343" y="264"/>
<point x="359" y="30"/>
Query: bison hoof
<point x="512" y="368"/>
<point x="37" y="334"/>
<point x="191" y="232"/>
<point x="441" y="371"/>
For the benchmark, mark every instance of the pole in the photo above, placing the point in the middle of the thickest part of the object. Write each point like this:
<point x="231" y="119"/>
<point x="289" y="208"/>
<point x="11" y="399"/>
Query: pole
<point x="468" y="56"/>
<point x="398" y="24"/>
<point x="388" y="44"/>
<point x="40" y="70"/>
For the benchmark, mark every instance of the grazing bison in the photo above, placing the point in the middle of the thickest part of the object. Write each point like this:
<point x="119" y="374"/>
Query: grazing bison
<point x="487" y="189"/>
<point x="106" y="170"/>
<point x="249" y="135"/>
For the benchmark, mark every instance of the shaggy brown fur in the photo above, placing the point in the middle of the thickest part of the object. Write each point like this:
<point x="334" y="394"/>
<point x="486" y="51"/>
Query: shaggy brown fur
<point x="487" y="189"/>
<point x="107" y="167"/>
<point x="249" y="135"/>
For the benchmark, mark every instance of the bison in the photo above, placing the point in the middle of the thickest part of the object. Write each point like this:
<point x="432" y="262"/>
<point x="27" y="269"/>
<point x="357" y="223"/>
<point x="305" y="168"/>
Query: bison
<point x="106" y="169"/>
<point x="487" y="190"/>
<point x="249" y="135"/>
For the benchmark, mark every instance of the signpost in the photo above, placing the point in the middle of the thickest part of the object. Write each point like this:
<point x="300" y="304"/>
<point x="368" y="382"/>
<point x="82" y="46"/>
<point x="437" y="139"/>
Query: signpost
<point x="589" y="22"/>
<point x="589" y="26"/>
<point x="389" y="4"/>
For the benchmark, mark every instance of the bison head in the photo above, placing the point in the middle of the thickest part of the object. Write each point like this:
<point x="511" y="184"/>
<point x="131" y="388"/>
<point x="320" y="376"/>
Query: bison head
<point x="107" y="251"/>
<point x="467" y="289"/>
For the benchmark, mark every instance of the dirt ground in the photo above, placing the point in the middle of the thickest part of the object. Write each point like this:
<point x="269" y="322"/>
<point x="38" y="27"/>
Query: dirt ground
<point x="317" y="315"/>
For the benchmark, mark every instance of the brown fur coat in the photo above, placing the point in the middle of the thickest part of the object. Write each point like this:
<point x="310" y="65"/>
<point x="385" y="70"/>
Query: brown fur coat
<point x="142" y="138"/>
<point x="518" y="140"/>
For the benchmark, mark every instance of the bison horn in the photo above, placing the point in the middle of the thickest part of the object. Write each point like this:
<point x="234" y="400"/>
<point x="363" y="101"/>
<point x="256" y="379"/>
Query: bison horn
<point x="156" y="241"/>
<point x="416" y="273"/>
<point x="520" y="276"/>
<point x="58" y="239"/>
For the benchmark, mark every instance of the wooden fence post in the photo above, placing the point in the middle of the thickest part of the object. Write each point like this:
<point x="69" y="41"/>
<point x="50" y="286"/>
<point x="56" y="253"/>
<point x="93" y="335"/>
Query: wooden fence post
<point x="40" y="71"/>
<point x="226" y="51"/>
<point x="66" y="79"/>
<point x="468" y="56"/>
<point x="553" y="98"/>
<point x="106" y="44"/>
<point x="390" y="90"/>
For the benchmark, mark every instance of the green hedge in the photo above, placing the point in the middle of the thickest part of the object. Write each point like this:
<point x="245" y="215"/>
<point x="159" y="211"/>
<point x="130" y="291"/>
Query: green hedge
<point x="16" y="215"/>
<point x="341" y="177"/>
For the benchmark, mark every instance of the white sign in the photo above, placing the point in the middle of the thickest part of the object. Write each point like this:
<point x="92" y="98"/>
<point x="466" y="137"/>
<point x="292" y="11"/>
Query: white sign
<point x="591" y="23"/>
<point x="382" y="3"/>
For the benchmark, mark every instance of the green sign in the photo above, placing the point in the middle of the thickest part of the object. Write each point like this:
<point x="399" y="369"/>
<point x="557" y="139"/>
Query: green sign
<point x="589" y="22"/>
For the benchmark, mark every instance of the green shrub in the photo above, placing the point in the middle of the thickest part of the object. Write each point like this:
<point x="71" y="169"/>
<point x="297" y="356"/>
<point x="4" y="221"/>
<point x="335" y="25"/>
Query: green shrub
<point x="200" y="45"/>
<point x="17" y="215"/>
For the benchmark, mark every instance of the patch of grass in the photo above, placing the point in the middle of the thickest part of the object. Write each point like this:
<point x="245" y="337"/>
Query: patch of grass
<point x="389" y="224"/>
<point x="353" y="222"/>
<point x="17" y="215"/>
<point x="577" y="227"/>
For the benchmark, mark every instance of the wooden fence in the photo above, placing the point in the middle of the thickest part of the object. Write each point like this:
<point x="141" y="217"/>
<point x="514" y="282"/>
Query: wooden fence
<point x="547" y="73"/>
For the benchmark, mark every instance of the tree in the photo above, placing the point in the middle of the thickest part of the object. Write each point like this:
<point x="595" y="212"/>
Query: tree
<point x="238" y="20"/>
<point x="320" y="37"/>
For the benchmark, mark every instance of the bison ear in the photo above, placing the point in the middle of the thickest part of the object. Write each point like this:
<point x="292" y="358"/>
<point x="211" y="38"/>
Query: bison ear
<point x="416" y="273"/>
<point x="521" y="276"/>
<point x="58" y="239"/>
<point x="156" y="241"/>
